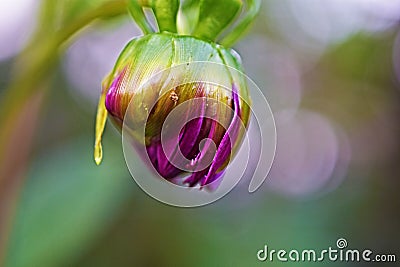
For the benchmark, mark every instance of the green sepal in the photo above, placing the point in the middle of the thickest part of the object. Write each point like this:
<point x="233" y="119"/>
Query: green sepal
<point x="215" y="16"/>
<point x="253" y="8"/>
<point x="166" y="12"/>
<point x="136" y="11"/>
<point x="188" y="17"/>
<point x="101" y="118"/>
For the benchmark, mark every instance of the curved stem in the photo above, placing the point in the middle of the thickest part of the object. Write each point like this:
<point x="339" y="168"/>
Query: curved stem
<point x="106" y="10"/>
<point x="241" y="28"/>
<point x="136" y="11"/>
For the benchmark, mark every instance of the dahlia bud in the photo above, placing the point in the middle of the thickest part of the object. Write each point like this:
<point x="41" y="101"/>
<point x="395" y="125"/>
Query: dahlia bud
<point x="218" y="111"/>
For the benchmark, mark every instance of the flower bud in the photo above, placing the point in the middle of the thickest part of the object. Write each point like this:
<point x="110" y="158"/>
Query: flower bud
<point x="219" y="112"/>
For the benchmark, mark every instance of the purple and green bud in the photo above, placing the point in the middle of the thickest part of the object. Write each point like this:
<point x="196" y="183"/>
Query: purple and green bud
<point x="131" y="84"/>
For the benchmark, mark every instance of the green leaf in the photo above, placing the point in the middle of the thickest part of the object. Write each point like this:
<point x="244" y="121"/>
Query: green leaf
<point x="56" y="15"/>
<point x="67" y="201"/>
<point x="215" y="16"/>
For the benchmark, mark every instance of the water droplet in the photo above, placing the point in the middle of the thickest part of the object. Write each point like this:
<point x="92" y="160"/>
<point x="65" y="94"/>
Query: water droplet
<point x="173" y="96"/>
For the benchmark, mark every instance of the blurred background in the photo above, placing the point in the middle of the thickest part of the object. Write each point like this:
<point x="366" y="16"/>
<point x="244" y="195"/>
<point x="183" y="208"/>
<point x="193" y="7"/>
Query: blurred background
<point x="331" y="72"/>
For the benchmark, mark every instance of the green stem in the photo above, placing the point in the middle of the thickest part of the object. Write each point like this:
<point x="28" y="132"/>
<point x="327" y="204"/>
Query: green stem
<point x="240" y="29"/>
<point x="136" y="11"/>
<point x="166" y="12"/>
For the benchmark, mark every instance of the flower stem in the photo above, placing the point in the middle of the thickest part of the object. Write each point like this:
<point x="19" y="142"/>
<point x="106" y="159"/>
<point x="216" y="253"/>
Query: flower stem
<point x="166" y="12"/>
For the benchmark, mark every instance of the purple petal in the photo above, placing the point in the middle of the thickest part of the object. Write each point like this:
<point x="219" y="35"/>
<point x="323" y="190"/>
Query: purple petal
<point x="210" y="175"/>
<point x="190" y="137"/>
<point x="113" y="101"/>
<point x="205" y="155"/>
<point x="215" y="181"/>
<point x="224" y="148"/>
<point x="159" y="160"/>
<point x="188" y="141"/>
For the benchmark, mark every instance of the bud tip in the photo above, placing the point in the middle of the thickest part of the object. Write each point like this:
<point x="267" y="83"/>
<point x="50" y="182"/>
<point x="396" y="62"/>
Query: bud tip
<point x="98" y="153"/>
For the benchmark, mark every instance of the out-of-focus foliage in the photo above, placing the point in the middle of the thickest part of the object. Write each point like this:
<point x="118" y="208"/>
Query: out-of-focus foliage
<point x="57" y="219"/>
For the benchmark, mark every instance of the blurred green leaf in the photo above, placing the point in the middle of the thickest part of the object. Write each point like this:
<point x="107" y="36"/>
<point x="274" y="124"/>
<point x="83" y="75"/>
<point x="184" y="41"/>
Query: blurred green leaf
<point x="66" y="203"/>
<point x="55" y="15"/>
